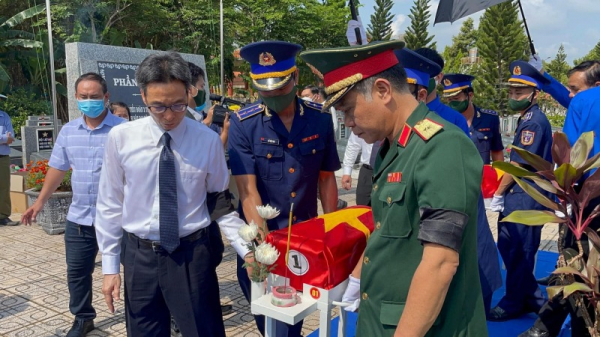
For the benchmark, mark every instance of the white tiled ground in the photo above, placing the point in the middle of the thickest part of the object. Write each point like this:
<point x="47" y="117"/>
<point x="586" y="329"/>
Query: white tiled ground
<point x="34" y="296"/>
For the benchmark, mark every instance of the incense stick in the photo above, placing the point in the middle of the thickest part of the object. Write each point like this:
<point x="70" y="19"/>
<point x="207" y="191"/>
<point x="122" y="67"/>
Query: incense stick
<point x="287" y="250"/>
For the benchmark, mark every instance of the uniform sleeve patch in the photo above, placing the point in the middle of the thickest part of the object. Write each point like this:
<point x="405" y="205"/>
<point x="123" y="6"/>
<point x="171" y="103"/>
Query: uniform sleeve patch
<point x="427" y="128"/>
<point x="250" y="111"/>
<point x="527" y="137"/>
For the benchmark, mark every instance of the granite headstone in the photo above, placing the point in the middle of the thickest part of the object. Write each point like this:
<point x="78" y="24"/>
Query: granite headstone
<point x="117" y="65"/>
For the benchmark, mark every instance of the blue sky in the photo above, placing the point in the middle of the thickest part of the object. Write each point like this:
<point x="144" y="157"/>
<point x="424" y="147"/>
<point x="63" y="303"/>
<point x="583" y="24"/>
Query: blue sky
<point x="574" y="23"/>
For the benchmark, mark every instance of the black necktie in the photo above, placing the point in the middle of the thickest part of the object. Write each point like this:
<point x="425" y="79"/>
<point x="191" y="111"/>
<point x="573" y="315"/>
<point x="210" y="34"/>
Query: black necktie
<point x="167" y="188"/>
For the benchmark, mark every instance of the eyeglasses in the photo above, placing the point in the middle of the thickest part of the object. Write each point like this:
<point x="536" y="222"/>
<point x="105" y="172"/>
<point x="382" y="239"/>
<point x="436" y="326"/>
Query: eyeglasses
<point x="180" y="107"/>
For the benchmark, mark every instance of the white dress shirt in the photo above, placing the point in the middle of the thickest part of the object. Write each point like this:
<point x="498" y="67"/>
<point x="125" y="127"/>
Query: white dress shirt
<point x="128" y="196"/>
<point x="354" y="145"/>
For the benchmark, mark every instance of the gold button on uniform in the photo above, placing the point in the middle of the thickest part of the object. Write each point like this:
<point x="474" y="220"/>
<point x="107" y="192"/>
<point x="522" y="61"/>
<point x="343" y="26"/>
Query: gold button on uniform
<point x="366" y="260"/>
<point x="314" y="151"/>
<point x="269" y="156"/>
<point x="484" y="137"/>
<point x="511" y="190"/>
<point x="375" y="187"/>
<point x="294" y="218"/>
<point x="378" y="226"/>
<point x="365" y="296"/>
<point x="389" y="200"/>
<point x="292" y="170"/>
<point x="290" y="145"/>
<point x="293" y="194"/>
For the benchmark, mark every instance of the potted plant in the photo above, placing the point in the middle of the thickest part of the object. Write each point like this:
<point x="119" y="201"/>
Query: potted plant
<point x="53" y="216"/>
<point x="578" y="279"/>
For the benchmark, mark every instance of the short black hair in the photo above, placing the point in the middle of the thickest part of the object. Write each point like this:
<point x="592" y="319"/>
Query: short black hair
<point x="396" y="75"/>
<point x="432" y="55"/>
<point x="92" y="77"/>
<point x="112" y="106"/>
<point x="322" y="92"/>
<point x="196" y="72"/>
<point x="313" y="89"/>
<point x="163" y="68"/>
<point x="591" y="70"/>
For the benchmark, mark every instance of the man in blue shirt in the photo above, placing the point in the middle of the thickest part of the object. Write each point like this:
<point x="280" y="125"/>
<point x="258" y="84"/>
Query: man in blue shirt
<point x="519" y="243"/>
<point x="6" y="138"/>
<point x="80" y="147"/>
<point x="433" y="101"/>
<point x="281" y="150"/>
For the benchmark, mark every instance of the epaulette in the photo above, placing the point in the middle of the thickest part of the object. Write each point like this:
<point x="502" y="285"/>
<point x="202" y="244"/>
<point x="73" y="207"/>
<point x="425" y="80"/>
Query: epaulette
<point x="314" y="105"/>
<point x="528" y="116"/>
<point x="250" y="111"/>
<point x="489" y="112"/>
<point x="427" y="128"/>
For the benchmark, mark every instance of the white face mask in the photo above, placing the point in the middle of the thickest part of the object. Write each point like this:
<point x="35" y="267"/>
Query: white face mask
<point x="307" y="99"/>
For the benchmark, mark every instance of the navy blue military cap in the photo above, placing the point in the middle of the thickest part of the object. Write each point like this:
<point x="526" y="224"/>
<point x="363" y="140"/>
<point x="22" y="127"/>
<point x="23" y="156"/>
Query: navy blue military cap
<point x="524" y="74"/>
<point x="455" y="83"/>
<point x="418" y="68"/>
<point x="272" y="63"/>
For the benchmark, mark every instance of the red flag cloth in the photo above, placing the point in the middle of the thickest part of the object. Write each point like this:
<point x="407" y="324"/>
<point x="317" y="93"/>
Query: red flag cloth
<point x="323" y="250"/>
<point x="490" y="181"/>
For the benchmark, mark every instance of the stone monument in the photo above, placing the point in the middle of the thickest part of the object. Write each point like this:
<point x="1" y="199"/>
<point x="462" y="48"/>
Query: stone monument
<point x="117" y="65"/>
<point x="38" y="138"/>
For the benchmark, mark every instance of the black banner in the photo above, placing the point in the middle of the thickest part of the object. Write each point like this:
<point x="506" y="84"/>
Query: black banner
<point x="45" y="139"/>
<point x="122" y="86"/>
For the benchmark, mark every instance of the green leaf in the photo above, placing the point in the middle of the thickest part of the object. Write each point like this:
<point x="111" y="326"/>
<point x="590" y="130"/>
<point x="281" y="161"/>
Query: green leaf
<point x="565" y="175"/>
<point x="591" y="163"/>
<point x="561" y="149"/>
<point x="533" y="218"/>
<point x="24" y="15"/>
<point x="575" y="287"/>
<point x="590" y="189"/>
<point x="512" y="169"/>
<point x="554" y="290"/>
<point x="581" y="149"/>
<point x="536" y="195"/>
<point x="593" y="236"/>
<point x="545" y="185"/>
<point x="23" y="43"/>
<point x="533" y="159"/>
<point x="567" y="271"/>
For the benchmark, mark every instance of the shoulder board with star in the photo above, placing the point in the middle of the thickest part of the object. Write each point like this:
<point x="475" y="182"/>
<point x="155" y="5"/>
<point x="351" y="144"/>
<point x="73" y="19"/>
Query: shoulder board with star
<point x="489" y="112"/>
<point x="250" y="111"/>
<point x="427" y="128"/>
<point x="314" y="105"/>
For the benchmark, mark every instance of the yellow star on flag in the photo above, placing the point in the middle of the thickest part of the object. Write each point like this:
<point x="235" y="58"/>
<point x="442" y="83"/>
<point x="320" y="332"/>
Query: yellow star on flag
<point x="349" y="216"/>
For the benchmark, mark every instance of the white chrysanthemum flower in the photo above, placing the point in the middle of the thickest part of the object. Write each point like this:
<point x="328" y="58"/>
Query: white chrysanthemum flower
<point x="266" y="254"/>
<point x="248" y="233"/>
<point x="267" y="212"/>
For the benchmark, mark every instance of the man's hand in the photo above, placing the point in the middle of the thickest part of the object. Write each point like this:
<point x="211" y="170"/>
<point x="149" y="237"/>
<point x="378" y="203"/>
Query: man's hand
<point x="28" y="217"/>
<point x="9" y="138"/>
<point x="536" y="61"/>
<point x="111" y="288"/>
<point x="352" y="294"/>
<point x="347" y="181"/>
<point x="249" y="259"/>
<point x="351" y="34"/>
<point x="209" y="116"/>
<point x="497" y="204"/>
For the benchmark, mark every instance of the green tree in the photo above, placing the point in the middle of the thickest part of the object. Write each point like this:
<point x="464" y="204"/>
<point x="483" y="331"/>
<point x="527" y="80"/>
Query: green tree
<point x="417" y="35"/>
<point x="12" y="40"/>
<point x="463" y="42"/>
<point x="380" y="28"/>
<point x="559" y="67"/>
<point x="501" y="40"/>
<point x="594" y="54"/>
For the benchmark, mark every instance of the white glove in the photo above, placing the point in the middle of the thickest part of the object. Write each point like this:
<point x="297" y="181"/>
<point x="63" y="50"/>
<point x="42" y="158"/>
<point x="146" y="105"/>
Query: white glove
<point x="352" y="294"/>
<point x="351" y="34"/>
<point x="536" y="61"/>
<point x="497" y="204"/>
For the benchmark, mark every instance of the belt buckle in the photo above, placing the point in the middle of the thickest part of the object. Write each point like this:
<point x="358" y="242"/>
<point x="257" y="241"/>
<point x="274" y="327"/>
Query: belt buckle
<point x="156" y="246"/>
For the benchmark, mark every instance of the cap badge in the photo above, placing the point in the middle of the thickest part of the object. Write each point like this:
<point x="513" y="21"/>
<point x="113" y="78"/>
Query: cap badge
<point x="517" y="71"/>
<point x="447" y="82"/>
<point x="266" y="59"/>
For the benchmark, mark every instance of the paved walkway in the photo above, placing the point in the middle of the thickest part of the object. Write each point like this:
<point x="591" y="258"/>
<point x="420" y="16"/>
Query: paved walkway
<point x="34" y="296"/>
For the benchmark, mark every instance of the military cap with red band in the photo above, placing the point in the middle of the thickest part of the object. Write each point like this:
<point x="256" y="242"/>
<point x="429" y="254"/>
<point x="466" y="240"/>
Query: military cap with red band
<point x="341" y="68"/>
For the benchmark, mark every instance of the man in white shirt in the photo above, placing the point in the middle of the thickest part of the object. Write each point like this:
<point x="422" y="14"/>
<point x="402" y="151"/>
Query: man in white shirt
<point x="160" y="194"/>
<point x="365" y="175"/>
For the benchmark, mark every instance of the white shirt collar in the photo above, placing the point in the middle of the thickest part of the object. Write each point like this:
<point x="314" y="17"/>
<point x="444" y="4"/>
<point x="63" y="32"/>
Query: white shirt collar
<point x="176" y="134"/>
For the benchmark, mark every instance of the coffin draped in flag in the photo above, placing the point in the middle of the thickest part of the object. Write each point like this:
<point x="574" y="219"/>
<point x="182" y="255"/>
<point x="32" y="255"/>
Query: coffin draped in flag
<point x="323" y="250"/>
<point x="452" y="10"/>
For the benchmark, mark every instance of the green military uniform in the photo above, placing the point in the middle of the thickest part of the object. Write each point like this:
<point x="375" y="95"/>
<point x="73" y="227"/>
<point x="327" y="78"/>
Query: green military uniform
<point x="442" y="172"/>
<point x="426" y="187"/>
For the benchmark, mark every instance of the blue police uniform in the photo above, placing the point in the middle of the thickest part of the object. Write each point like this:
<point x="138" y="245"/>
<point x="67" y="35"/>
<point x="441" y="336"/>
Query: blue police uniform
<point x="418" y="71"/>
<point x="485" y="134"/>
<point x="582" y="116"/>
<point x="518" y="243"/>
<point x="286" y="163"/>
<point x="557" y="90"/>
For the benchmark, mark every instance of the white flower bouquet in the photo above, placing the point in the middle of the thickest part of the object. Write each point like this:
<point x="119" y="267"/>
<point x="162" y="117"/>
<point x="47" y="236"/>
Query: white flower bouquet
<point x="265" y="254"/>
